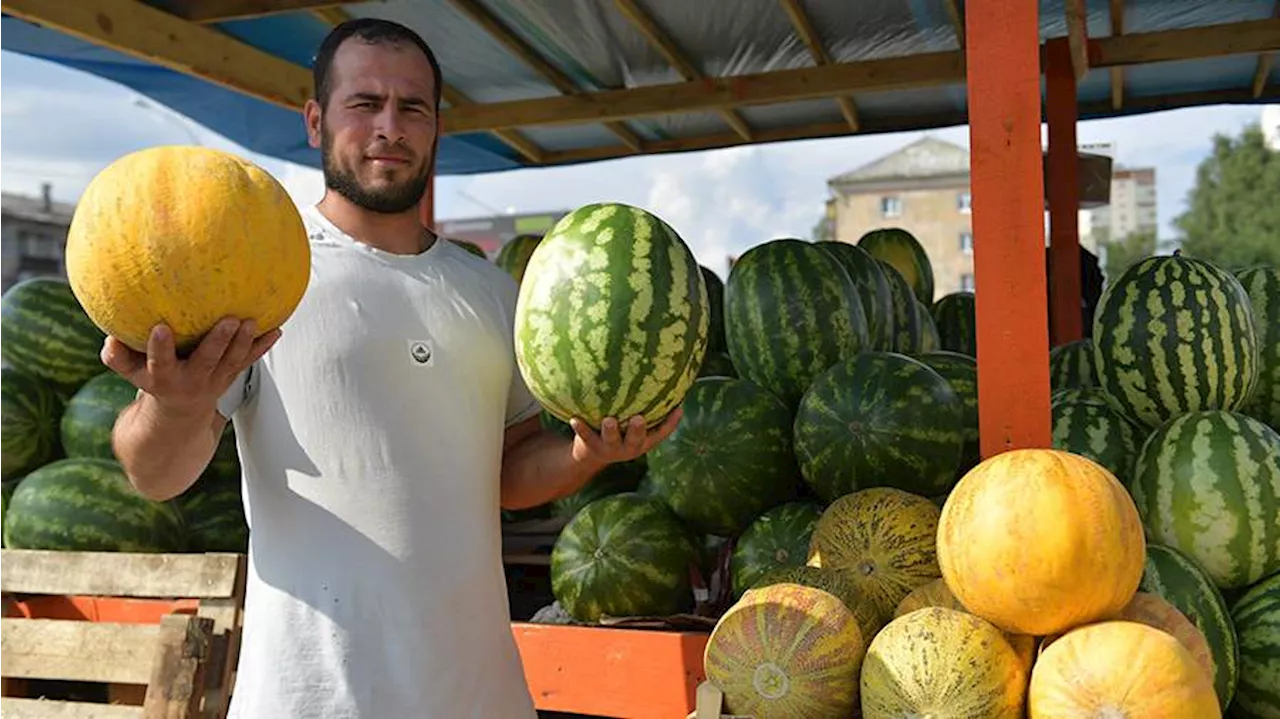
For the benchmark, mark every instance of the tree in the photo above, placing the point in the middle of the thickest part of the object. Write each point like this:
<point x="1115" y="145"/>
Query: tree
<point x="1128" y="250"/>
<point x="1233" y="213"/>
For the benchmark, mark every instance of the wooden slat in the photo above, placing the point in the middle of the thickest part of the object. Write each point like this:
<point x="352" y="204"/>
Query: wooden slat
<point x="562" y="82"/>
<point x="156" y="36"/>
<point x="1078" y="37"/>
<point x="19" y="708"/>
<point x="1263" y="72"/>
<point x="1117" y="73"/>
<point x="208" y="11"/>
<point x="666" y="47"/>
<point x="809" y="36"/>
<point x="119" y="574"/>
<point x="1240" y="38"/>
<point x="78" y="651"/>
<point x="178" y="667"/>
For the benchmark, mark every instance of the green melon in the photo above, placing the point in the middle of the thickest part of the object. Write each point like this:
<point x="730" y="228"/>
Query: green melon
<point x="213" y="514"/>
<point x="1092" y="428"/>
<point x="87" y="504"/>
<point x="91" y="415"/>
<point x="29" y="414"/>
<point x="614" y="479"/>
<point x="930" y="340"/>
<point x="873" y="291"/>
<point x="612" y="317"/>
<point x="514" y="255"/>
<point x="715" y="301"/>
<point x="1179" y="580"/>
<point x="955" y="317"/>
<point x="1263" y="287"/>
<point x="880" y="419"/>
<point x="1174" y="335"/>
<point x="902" y="250"/>
<point x="961" y="372"/>
<point x="45" y="332"/>
<point x="621" y="556"/>
<point x="777" y="538"/>
<point x="1208" y="484"/>
<point x="906" y="318"/>
<point x="791" y="311"/>
<point x="1071" y="366"/>
<point x="729" y="459"/>
<point x="1256" y="617"/>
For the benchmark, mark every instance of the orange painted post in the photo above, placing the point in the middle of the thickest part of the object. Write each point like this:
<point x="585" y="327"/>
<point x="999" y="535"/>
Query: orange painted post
<point x="1002" y="51"/>
<point x="1064" y="195"/>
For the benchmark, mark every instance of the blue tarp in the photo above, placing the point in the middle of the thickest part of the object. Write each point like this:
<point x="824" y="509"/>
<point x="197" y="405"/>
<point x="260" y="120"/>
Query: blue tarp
<point x="599" y="49"/>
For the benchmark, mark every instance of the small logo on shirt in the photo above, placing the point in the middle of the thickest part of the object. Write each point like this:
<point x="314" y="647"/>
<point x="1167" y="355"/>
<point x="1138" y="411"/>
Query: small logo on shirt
<point x="420" y="351"/>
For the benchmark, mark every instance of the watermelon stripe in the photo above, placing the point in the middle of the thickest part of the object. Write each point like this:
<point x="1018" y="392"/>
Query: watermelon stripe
<point x="45" y="332"/>
<point x="1256" y="616"/>
<point x="873" y="291"/>
<point x="1263" y="287"/>
<point x="1091" y="428"/>
<point x="1175" y="335"/>
<point x="29" y="412"/>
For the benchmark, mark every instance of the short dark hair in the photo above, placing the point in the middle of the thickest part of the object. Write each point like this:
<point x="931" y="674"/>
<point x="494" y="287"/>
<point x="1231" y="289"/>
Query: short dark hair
<point x="371" y="30"/>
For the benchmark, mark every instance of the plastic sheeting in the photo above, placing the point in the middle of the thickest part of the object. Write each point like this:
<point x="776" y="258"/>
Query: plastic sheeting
<point x="598" y="48"/>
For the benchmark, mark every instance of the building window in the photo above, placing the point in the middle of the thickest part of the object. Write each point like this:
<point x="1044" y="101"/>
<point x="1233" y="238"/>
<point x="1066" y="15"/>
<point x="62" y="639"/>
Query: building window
<point x="964" y="202"/>
<point x="890" y="206"/>
<point x="966" y="282"/>
<point x="966" y="242"/>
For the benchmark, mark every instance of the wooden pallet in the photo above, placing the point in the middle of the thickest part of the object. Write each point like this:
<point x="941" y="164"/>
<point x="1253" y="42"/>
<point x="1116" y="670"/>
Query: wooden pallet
<point x="160" y="630"/>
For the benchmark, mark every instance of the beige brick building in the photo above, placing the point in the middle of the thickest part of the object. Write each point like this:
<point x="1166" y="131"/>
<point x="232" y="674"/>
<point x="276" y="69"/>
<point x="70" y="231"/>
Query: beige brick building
<point x="922" y="188"/>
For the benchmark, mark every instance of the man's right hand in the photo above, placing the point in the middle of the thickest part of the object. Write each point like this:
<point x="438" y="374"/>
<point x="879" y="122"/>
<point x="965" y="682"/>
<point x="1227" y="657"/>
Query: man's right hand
<point x="195" y="383"/>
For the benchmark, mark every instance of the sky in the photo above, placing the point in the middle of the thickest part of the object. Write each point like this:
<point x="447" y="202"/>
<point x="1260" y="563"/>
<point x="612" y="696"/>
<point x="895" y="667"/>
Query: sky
<point x="62" y="126"/>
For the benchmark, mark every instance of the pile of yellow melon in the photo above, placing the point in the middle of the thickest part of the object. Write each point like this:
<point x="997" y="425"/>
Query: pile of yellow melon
<point x="1019" y="597"/>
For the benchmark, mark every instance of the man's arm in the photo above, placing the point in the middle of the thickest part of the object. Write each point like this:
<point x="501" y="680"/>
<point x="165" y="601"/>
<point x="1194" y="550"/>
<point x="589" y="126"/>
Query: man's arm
<point x="539" y="466"/>
<point x="162" y="450"/>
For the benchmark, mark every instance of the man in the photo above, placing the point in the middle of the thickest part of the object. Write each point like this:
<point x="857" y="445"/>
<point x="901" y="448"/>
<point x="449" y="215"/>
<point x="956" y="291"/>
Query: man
<point x="378" y="434"/>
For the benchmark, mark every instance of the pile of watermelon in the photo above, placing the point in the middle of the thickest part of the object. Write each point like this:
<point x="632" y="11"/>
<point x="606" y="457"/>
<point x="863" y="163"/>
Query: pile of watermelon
<point x="63" y="487"/>
<point x="834" y="410"/>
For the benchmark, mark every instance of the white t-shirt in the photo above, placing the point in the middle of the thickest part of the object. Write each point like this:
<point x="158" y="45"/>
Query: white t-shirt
<point x="371" y="443"/>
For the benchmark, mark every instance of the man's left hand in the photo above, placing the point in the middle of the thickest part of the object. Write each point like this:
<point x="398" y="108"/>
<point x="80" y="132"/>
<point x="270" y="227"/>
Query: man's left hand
<point x="618" y="443"/>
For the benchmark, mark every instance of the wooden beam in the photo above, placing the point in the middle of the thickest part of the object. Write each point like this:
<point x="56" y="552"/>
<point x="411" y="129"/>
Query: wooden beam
<point x="1262" y="73"/>
<point x="1117" y="73"/>
<point x="514" y="139"/>
<point x="809" y="36"/>
<point x="1078" y="37"/>
<point x="925" y="70"/>
<point x="1240" y="38"/>
<point x="1063" y="191"/>
<point x="957" y="20"/>
<point x="211" y="11"/>
<point x="666" y="47"/>
<point x="143" y="32"/>
<point x="521" y="49"/>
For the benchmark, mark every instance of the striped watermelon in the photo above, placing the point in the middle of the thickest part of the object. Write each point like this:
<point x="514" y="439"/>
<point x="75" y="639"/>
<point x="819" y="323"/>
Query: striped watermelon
<point x="906" y="319"/>
<point x="91" y="415"/>
<point x="624" y="555"/>
<point x="791" y="311"/>
<point x="873" y="290"/>
<point x="612" y="318"/>
<point x="1208" y="484"/>
<point x="930" y="340"/>
<point x="715" y="301"/>
<point x="1084" y="423"/>
<point x="213" y="514"/>
<point x="46" y="333"/>
<point x="880" y="419"/>
<point x="614" y="479"/>
<point x="1263" y="286"/>
<point x="1256" y="616"/>
<point x="226" y="456"/>
<point x="902" y="250"/>
<point x="6" y="492"/>
<point x="955" y="317"/>
<point x="87" y="504"/>
<point x="1174" y="335"/>
<point x="777" y="538"/>
<point x="1071" y="366"/>
<point x="961" y="372"/>
<point x="29" y="412"/>
<point x="729" y="459"/>
<point x="514" y="255"/>
<point x="1179" y="580"/>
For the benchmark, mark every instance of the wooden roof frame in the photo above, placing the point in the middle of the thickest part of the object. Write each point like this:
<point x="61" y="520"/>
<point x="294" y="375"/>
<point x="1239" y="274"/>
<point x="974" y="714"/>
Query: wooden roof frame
<point x="179" y="37"/>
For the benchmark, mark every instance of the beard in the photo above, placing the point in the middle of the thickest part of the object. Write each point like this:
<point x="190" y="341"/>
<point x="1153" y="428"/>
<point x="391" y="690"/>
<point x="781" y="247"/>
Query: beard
<point x="391" y="200"/>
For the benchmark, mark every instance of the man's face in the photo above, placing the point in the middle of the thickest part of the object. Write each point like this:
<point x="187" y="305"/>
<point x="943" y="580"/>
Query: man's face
<point x="377" y="132"/>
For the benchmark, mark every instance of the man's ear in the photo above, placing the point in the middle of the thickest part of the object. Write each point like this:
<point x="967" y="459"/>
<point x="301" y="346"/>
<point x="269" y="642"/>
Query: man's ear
<point x="311" y="115"/>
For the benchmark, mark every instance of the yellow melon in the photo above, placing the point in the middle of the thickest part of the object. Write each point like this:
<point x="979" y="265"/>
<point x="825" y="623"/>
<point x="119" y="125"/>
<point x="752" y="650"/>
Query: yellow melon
<point x="1037" y="541"/>
<point x="936" y="594"/>
<point x="787" y="650"/>
<point x="884" y="538"/>
<point x="186" y="236"/>
<point x="945" y="664"/>
<point x="1123" y="669"/>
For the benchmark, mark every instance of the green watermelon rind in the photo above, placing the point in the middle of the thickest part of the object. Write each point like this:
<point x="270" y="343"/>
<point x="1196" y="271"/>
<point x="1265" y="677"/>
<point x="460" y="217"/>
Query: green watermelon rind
<point x="777" y="538"/>
<point x="91" y="414"/>
<point x="902" y="305"/>
<point x="954" y="316"/>
<point x="1256" y="616"/>
<point x="715" y="302"/>
<point x="1089" y="429"/>
<point x="29" y="415"/>
<point x="961" y="372"/>
<point x="895" y="245"/>
<point x="873" y="290"/>
<point x="1262" y="285"/>
<point x="45" y="332"/>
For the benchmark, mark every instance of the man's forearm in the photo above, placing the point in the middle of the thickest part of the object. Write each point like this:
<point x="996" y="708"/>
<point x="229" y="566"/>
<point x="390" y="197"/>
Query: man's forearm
<point x="164" y="452"/>
<point x="541" y="468"/>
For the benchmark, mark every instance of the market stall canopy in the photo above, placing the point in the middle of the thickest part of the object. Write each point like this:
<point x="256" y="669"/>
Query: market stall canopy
<point x="570" y="81"/>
